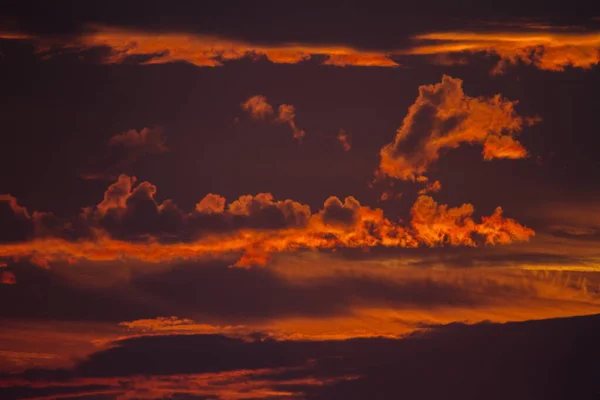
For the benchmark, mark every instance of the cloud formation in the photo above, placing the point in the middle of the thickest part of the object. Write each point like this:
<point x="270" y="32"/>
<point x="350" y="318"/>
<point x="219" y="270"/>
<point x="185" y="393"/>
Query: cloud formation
<point x="200" y="50"/>
<point x="130" y="223"/>
<point x="259" y="109"/>
<point x="443" y="117"/>
<point x="433" y="187"/>
<point x="546" y="50"/>
<point x="123" y="150"/>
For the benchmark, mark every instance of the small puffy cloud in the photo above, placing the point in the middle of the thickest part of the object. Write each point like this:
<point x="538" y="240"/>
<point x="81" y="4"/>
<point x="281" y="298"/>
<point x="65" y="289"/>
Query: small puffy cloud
<point x="336" y="213"/>
<point x="146" y="47"/>
<point x="443" y="117"/>
<point x="287" y="114"/>
<point x="211" y="204"/>
<point x="147" y="140"/>
<point x="259" y="109"/>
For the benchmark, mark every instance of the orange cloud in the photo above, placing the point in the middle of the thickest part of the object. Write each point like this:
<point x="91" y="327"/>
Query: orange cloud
<point x="211" y="204"/>
<point x="434" y="187"/>
<point x="129" y="224"/>
<point x="259" y="108"/>
<point x="552" y="51"/>
<point x="444" y="117"/>
<point x="203" y="50"/>
<point x="344" y="139"/>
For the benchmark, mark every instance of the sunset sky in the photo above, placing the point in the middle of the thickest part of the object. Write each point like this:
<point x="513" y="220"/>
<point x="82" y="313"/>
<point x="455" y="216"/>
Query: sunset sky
<point x="286" y="200"/>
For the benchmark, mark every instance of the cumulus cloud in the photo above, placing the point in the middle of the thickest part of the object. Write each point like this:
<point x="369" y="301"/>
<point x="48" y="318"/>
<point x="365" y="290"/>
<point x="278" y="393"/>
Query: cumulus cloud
<point x="124" y="149"/>
<point x="259" y="109"/>
<point x="436" y="224"/>
<point x="443" y="117"/>
<point x="129" y="222"/>
<point x="544" y="49"/>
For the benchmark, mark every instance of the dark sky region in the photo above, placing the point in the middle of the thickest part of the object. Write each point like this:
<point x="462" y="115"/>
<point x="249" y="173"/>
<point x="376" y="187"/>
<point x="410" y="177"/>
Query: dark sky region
<point x="299" y="200"/>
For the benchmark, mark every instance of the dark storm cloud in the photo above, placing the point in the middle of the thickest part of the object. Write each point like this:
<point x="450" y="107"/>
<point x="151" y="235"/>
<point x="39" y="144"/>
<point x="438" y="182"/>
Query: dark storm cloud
<point x="452" y="362"/>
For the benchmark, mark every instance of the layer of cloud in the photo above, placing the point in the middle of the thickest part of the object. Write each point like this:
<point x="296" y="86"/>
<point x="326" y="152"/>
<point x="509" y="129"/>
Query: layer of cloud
<point x="214" y="366"/>
<point x="443" y="117"/>
<point x="546" y="50"/>
<point x="201" y="50"/>
<point x="259" y="109"/>
<point x="130" y="223"/>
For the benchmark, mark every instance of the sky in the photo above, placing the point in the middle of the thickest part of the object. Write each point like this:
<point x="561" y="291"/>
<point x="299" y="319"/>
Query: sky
<point x="296" y="200"/>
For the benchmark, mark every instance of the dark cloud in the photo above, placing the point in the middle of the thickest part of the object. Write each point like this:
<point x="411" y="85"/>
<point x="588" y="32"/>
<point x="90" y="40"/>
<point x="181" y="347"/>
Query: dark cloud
<point x="452" y="362"/>
<point x="123" y="150"/>
<point x="16" y="221"/>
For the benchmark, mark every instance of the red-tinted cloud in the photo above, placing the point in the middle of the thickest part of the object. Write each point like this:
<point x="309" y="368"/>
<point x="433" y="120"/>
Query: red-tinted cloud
<point x="201" y="50"/>
<point x="259" y="108"/>
<point x="443" y="117"/>
<point x="130" y="223"/>
<point x="544" y="49"/>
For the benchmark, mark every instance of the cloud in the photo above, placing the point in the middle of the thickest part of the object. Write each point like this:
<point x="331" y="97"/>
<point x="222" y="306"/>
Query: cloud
<point x="546" y="50"/>
<point x="259" y="108"/>
<point x="443" y="117"/>
<point x="434" y="187"/>
<point x="208" y="366"/>
<point x="437" y="224"/>
<point x="130" y="223"/>
<point x="344" y="139"/>
<point x="200" y="50"/>
<point x="124" y="149"/>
